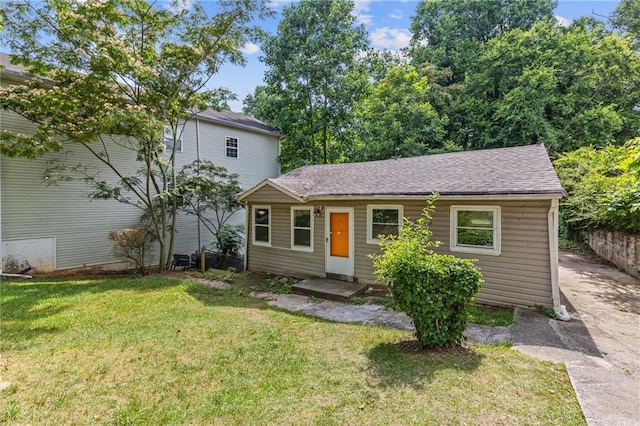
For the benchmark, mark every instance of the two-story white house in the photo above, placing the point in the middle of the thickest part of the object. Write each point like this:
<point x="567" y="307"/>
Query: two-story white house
<point x="58" y="227"/>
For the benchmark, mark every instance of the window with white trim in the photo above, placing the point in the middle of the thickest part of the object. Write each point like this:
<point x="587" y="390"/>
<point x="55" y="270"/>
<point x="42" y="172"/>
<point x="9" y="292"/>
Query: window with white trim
<point x="169" y="140"/>
<point x="475" y="229"/>
<point x="262" y="225"/>
<point x="231" y="147"/>
<point x="383" y="220"/>
<point x="302" y="228"/>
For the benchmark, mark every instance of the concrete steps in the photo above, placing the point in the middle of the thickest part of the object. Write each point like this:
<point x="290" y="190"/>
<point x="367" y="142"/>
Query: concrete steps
<point x="340" y="291"/>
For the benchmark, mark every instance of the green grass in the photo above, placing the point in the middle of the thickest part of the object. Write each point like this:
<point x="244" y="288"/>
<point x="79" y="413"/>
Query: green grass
<point x="490" y="315"/>
<point x="168" y="351"/>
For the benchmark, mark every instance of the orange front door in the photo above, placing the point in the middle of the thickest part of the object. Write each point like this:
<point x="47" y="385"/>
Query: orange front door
<point x="339" y="228"/>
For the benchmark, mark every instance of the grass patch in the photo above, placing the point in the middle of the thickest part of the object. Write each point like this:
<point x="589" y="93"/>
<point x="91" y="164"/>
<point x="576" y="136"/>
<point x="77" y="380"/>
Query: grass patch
<point x="158" y="350"/>
<point x="490" y="315"/>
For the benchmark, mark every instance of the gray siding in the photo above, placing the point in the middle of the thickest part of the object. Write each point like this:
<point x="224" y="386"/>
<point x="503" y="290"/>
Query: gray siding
<point x="31" y="210"/>
<point x="519" y="276"/>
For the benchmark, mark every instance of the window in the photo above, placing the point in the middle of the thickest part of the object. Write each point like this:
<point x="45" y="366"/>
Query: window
<point x="231" y="147"/>
<point x="169" y="141"/>
<point x="262" y="225"/>
<point x="302" y="228"/>
<point x="475" y="229"/>
<point x="383" y="220"/>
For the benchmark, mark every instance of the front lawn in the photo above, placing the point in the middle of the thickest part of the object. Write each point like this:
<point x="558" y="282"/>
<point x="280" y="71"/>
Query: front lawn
<point x="169" y="351"/>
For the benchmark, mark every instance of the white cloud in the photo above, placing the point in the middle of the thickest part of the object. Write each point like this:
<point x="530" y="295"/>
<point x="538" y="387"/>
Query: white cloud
<point x="277" y="3"/>
<point x="360" y="8"/>
<point x="390" y="38"/>
<point x="396" y="14"/>
<point x="562" y="21"/>
<point x="250" y="48"/>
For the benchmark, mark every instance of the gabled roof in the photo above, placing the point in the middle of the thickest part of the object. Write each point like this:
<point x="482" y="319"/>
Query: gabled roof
<point x="524" y="170"/>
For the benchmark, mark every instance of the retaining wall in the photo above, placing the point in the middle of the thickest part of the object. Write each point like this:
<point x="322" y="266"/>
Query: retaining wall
<point x="621" y="249"/>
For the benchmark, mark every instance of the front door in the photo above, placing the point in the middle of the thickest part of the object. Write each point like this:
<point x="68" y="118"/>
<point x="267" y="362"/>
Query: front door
<point x="339" y="240"/>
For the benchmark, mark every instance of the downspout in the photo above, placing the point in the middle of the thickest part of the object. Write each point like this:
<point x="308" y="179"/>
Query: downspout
<point x="198" y="158"/>
<point x="246" y="239"/>
<point x="552" y="222"/>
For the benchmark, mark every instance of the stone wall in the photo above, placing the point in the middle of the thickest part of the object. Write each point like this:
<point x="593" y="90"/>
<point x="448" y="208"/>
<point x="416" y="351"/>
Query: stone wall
<point x="622" y="250"/>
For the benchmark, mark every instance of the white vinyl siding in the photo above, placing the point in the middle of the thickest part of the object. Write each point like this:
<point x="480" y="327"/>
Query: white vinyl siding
<point x="30" y="210"/>
<point x="475" y="229"/>
<point x="302" y="228"/>
<point x="383" y="220"/>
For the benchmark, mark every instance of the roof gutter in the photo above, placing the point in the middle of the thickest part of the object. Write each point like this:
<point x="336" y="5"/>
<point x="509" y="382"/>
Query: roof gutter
<point x="237" y="125"/>
<point x="481" y="197"/>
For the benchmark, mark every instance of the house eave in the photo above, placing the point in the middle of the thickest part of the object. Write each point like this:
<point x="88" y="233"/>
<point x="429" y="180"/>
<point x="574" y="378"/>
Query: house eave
<point x="469" y="197"/>
<point x="267" y="182"/>
<point x="237" y="125"/>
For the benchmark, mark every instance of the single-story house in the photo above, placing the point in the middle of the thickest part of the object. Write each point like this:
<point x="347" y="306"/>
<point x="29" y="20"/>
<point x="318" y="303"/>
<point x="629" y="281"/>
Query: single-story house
<point x="499" y="206"/>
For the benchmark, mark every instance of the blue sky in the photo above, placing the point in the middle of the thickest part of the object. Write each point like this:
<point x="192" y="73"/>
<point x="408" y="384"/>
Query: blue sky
<point x="388" y="24"/>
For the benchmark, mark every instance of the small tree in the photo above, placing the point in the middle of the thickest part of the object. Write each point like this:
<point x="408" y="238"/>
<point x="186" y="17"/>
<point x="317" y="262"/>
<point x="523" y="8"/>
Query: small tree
<point x="433" y="289"/>
<point x="133" y="244"/>
<point x="209" y="192"/>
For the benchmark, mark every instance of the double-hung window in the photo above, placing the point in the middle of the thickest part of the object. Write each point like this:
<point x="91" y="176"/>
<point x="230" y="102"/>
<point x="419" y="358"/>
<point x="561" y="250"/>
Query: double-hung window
<point x="383" y="220"/>
<point x="231" y="147"/>
<point x="302" y="228"/>
<point x="475" y="229"/>
<point x="262" y="225"/>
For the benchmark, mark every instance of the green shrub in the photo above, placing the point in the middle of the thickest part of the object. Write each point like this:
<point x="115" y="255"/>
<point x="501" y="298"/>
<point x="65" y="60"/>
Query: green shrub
<point x="603" y="187"/>
<point x="133" y="244"/>
<point x="434" y="290"/>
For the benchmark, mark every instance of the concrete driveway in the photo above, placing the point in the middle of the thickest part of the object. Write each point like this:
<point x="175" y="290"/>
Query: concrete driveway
<point x="600" y="345"/>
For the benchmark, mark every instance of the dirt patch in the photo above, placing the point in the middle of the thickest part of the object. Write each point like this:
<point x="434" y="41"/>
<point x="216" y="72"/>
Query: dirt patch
<point x="410" y="345"/>
<point x="221" y="285"/>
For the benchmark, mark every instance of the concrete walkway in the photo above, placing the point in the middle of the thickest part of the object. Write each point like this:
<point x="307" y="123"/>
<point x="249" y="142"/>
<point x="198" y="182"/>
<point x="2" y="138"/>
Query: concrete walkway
<point x="600" y="345"/>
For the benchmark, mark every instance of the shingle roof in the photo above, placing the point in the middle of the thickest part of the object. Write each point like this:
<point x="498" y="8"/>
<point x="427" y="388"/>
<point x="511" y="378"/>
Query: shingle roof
<point x="524" y="170"/>
<point x="10" y="68"/>
<point x="237" y="119"/>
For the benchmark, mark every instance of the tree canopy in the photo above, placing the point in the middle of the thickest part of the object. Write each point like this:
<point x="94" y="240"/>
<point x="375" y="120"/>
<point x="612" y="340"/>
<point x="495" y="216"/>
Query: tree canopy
<point x="565" y="87"/>
<point x="314" y="77"/>
<point x="398" y="114"/>
<point x="450" y="33"/>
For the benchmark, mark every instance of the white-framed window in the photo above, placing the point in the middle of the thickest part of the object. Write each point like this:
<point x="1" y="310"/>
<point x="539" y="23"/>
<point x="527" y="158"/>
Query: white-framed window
<point x="383" y="220"/>
<point x="302" y="228"/>
<point x="475" y="229"/>
<point x="231" y="147"/>
<point x="262" y="225"/>
<point x="169" y="141"/>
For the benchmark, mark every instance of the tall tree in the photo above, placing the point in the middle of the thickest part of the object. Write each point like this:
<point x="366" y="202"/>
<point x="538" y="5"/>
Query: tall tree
<point x="397" y="117"/>
<point x="565" y="87"/>
<point x="450" y="33"/>
<point x="113" y="76"/>
<point x="313" y="79"/>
